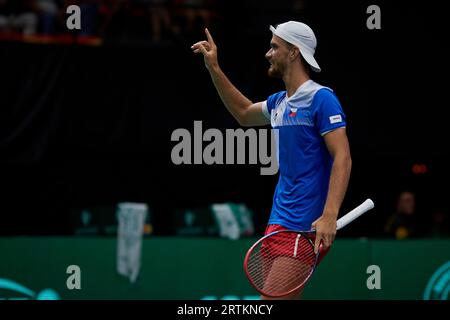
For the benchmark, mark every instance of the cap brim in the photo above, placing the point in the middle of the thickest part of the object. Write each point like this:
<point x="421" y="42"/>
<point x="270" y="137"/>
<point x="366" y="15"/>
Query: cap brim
<point x="311" y="61"/>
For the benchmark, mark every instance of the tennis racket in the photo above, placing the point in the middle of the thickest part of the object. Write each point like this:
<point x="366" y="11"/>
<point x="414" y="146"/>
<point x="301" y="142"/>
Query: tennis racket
<point x="281" y="262"/>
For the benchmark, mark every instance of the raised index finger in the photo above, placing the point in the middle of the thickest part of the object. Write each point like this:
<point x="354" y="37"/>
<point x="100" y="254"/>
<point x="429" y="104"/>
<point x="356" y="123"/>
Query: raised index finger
<point x="210" y="39"/>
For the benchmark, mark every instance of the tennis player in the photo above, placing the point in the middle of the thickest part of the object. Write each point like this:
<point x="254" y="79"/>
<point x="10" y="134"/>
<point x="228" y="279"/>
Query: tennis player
<point x="313" y="149"/>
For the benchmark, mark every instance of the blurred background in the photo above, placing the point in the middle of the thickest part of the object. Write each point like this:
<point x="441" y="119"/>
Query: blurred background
<point x="86" y="118"/>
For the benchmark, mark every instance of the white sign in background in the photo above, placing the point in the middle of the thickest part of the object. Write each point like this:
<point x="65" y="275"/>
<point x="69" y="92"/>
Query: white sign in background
<point x="130" y="232"/>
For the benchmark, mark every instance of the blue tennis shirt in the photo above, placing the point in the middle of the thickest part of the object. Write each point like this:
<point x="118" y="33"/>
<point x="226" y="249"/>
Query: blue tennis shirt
<point x="303" y="159"/>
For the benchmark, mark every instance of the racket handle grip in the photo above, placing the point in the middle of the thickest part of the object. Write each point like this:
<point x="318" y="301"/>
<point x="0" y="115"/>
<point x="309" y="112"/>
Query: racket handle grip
<point x="355" y="213"/>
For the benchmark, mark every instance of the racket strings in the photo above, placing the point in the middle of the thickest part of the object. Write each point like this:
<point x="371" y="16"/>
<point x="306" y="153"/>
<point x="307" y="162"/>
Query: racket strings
<point x="281" y="263"/>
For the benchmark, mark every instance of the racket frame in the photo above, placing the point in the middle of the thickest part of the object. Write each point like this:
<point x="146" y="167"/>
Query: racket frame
<point x="342" y="222"/>
<point x="247" y="257"/>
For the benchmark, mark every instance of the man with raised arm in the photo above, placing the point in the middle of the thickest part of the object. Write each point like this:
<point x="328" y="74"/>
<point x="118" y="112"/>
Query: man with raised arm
<point x="313" y="149"/>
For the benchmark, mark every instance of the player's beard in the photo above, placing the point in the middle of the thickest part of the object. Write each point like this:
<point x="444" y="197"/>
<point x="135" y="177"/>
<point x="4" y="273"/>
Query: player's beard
<point x="276" y="70"/>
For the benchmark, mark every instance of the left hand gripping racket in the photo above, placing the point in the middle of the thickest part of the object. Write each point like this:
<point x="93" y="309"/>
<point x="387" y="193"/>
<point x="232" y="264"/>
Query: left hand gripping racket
<point x="281" y="262"/>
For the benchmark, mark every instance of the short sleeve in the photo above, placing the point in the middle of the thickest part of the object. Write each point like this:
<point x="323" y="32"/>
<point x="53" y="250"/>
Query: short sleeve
<point x="272" y="102"/>
<point x="327" y="112"/>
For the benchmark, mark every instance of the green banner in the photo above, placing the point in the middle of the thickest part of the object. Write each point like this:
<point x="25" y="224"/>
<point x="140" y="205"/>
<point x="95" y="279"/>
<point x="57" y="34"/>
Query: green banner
<point x="207" y="268"/>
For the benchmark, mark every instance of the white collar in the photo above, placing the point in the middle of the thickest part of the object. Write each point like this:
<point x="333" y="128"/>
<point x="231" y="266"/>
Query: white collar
<point x="299" y="90"/>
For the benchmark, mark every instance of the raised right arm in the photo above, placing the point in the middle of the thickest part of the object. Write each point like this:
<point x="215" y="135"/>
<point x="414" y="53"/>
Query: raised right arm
<point x="243" y="110"/>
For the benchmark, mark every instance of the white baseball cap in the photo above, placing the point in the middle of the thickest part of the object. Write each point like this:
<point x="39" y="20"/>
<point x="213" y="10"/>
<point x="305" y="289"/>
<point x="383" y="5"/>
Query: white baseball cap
<point x="301" y="36"/>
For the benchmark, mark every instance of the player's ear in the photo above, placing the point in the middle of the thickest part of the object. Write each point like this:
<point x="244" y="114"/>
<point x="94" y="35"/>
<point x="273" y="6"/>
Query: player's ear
<point x="294" y="53"/>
